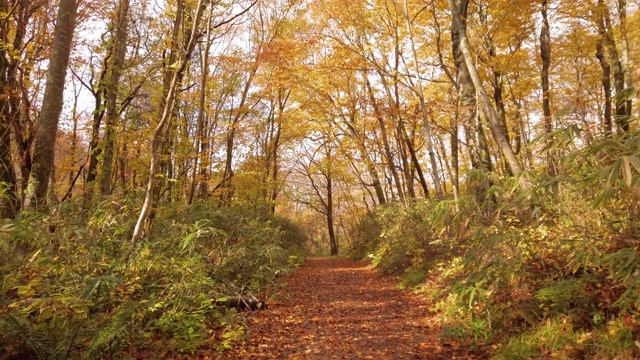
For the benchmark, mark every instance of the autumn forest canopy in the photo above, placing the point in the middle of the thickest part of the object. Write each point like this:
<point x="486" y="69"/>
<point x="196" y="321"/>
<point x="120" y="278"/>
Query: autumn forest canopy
<point x="158" y="155"/>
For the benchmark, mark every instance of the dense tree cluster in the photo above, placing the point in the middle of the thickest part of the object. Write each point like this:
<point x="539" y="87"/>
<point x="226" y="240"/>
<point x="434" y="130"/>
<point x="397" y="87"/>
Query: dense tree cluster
<point x="334" y="105"/>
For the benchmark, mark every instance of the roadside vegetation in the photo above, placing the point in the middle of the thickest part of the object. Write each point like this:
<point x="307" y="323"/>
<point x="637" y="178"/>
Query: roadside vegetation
<point x="74" y="285"/>
<point x="551" y="271"/>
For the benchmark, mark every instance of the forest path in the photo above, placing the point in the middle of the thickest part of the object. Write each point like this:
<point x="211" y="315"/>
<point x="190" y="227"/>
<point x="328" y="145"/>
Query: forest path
<point x="342" y="309"/>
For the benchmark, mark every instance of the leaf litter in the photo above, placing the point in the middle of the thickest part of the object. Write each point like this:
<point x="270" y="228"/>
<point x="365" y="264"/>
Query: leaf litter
<point x="342" y="309"/>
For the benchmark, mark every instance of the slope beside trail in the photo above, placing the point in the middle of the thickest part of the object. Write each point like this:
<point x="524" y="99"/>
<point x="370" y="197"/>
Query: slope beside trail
<point x="341" y="309"/>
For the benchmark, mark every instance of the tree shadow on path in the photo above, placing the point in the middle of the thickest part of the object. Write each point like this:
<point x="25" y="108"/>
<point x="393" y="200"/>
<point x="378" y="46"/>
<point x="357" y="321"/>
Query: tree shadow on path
<point x="341" y="309"/>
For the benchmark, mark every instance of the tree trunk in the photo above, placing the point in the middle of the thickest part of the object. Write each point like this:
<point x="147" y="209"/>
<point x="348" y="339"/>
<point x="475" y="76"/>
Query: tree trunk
<point x="467" y="108"/>
<point x="466" y="90"/>
<point x="45" y="139"/>
<point x="202" y="140"/>
<point x="156" y="140"/>
<point x="283" y="98"/>
<point x="123" y="154"/>
<point x="227" y="176"/>
<point x="394" y="101"/>
<point x="407" y="168"/>
<point x="622" y="117"/>
<point x="275" y="170"/>
<point x="607" y="52"/>
<point x="366" y="158"/>
<point x="119" y="51"/>
<point x="487" y="107"/>
<point x="169" y="71"/>
<point x="74" y="140"/>
<point x="446" y="165"/>
<point x="624" y="52"/>
<point x="606" y="75"/>
<point x="15" y="35"/>
<point x="414" y="159"/>
<point x="385" y="139"/>
<point x="8" y="198"/>
<point x="377" y="185"/>
<point x="497" y="83"/>
<point x="427" y="126"/>
<point x="330" y="226"/>
<point x="545" y="54"/>
<point x="455" y="157"/>
<point x="94" y="143"/>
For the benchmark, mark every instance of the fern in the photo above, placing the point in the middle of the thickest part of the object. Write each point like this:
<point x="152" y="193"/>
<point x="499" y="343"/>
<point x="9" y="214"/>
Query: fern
<point x="564" y="296"/>
<point x="40" y="344"/>
<point x="108" y="333"/>
<point x="624" y="266"/>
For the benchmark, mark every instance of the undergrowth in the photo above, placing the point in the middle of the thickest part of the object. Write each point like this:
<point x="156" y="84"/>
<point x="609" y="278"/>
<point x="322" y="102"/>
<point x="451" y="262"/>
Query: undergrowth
<point x="551" y="270"/>
<point x="75" y="287"/>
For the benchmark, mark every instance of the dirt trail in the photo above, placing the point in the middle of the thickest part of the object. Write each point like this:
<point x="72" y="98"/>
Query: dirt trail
<point x="341" y="309"/>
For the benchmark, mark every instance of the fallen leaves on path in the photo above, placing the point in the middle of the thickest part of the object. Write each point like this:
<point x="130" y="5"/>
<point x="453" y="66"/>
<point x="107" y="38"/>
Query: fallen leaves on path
<point x="341" y="309"/>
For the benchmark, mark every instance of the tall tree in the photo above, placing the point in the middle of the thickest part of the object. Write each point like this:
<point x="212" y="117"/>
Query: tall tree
<point x="601" y="54"/>
<point x="118" y="50"/>
<point x="176" y="69"/>
<point x="24" y="37"/>
<point x="202" y="138"/>
<point x="545" y="55"/>
<point x="384" y="137"/>
<point x="320" y="167"/>
<point x="467" y="104"/>
<point x="45" y="138"/>
<point x="423" y="108"/>
<point x="8" y="199"/>
<point x="98" y="115"/>
<point x="168" y="102"/>
<point x="232" y="130"/>
<point x="624" y="54"/>
<point x="485" y="102"/>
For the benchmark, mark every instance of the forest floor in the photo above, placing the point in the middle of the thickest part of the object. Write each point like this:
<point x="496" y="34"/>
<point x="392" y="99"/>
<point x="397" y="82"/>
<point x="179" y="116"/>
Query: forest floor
<point x="342" y="309"/>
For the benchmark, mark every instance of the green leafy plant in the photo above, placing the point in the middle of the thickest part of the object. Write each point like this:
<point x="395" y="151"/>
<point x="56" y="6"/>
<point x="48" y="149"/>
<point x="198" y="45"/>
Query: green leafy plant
<point x="85" y="291"/>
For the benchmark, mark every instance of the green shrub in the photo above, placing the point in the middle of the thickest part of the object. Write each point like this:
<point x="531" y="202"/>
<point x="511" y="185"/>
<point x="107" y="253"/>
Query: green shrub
<point x="84" y="290"/>
<point x="533" y="272"/>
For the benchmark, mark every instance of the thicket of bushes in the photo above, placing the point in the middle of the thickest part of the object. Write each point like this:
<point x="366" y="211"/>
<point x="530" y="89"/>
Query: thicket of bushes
<point x="550" y="271"/>
<point x="74" y="286"/>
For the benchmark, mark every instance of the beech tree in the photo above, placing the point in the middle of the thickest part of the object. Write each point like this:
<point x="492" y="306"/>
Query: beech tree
<point x="487" y="107"/>
<point x="8" y="200"/>
<point x="545" y="55"/>
<point x="423" y="108"/>
<point x="179" y="60"/>
<point x="168" y="102"/>
<point x="320" y="167"/>
<point x="411" y="114"/>
<point x="47" y="127"/>
<point x="25" y="38"/>
<point x="117" y="52"/>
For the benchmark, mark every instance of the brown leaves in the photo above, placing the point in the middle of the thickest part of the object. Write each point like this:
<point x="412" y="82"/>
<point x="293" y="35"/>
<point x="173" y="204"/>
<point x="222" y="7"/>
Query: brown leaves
<point x="340" y="309"/>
